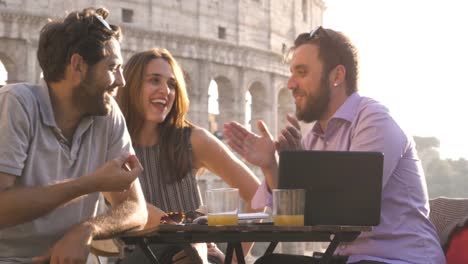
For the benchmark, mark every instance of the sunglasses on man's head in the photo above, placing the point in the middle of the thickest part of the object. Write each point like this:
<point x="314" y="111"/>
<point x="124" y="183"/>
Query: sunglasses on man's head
<point x="315" y="34"/>
<point x="103" y="21"/>
<point x="325" y="40"/>
<point x="180" y="217"/>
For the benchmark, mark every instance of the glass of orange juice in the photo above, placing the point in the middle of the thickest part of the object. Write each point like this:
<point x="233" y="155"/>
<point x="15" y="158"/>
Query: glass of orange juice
<point x="288" y="207"/>
<point x="223" y="206"/>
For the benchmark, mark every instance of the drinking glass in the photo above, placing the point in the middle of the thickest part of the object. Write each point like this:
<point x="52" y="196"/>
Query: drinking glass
<point x="223" y="206"/>
<point x="288" y="207"/>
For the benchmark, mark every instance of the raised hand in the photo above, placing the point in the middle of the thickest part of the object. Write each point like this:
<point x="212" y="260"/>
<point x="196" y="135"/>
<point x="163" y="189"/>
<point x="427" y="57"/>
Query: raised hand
<point x="116" y="175"/>
<point x="256" y="149"/>
<point x="291" y="136"/>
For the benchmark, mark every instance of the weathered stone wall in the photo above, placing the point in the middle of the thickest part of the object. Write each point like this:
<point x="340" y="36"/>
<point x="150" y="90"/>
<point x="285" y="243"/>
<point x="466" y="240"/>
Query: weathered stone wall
<point x="248" y="57"/>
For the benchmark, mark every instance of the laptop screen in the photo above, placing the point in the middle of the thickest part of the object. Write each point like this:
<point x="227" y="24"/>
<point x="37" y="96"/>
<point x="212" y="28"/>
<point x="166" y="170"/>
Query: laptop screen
<point x="342" y="187"/>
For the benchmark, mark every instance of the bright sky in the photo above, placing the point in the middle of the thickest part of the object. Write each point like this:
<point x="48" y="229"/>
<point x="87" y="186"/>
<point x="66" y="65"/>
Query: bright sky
<point x="414" y="59"/>
<point x="3" y="73"/>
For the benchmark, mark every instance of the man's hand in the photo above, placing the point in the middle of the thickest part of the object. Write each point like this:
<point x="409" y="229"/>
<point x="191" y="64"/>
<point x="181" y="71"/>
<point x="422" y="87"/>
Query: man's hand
<point x="116" y="175"/>
<point x="214" y="251"/>
<point x="258" y="150"/>
<point x="291" y="136"/>
<point x="72" y="248"/>
<point x="183" y="258"/>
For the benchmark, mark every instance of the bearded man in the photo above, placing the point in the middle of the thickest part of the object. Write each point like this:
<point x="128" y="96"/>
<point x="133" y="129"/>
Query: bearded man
<point x="63" y="142"/>
<point x="324" y="75"/>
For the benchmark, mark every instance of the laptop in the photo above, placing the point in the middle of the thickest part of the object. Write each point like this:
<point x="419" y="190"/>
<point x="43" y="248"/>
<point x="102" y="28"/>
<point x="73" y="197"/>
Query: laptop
<point x="342" y="187"/>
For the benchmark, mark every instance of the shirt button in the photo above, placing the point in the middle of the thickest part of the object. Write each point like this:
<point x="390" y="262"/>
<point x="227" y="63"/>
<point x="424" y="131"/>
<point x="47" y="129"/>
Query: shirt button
<point x="343" y="246"/>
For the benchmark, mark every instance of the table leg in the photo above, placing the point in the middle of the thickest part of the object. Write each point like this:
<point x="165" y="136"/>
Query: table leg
<point x="239" y="253"/>
<point x="327" y="256"/>
<point x="237" y="246"/>
<point x="148" y="252"/>
<point x="229" y="253"/>
<point x="270" y="248"/>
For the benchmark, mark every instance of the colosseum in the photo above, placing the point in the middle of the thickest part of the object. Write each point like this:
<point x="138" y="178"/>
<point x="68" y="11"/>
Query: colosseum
<point x="230" y="50"/>
<point x="236" y="45"/>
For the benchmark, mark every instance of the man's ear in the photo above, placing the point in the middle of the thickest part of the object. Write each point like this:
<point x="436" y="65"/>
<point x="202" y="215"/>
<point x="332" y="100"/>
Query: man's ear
<point x="78" y="66"/>
<point x="337" y="75"/>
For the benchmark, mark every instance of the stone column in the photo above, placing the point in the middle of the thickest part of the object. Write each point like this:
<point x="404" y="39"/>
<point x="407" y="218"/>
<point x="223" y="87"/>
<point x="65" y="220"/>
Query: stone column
<point x="200" y="110"/>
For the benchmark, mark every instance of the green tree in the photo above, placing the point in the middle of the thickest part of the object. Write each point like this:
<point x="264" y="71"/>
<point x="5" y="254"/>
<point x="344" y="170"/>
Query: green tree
<point x="445" y="177"/>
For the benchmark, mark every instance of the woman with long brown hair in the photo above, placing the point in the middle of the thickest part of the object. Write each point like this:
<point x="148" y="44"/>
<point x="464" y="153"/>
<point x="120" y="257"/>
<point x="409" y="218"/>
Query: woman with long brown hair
<point x="172" y="150"/>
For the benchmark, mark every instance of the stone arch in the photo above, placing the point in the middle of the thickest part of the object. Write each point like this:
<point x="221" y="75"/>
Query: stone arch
<point x="261" y="106"/>
<point x="3" y="74"/>
<point x="285" y="106"/>
<point x="9" y="66"/>
<point x="13" y="55"/>
<point x="226" y="103"/>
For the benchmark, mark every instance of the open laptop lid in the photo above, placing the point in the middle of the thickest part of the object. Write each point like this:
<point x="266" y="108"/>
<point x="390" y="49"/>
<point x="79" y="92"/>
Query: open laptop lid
<point x="342" y="187"/>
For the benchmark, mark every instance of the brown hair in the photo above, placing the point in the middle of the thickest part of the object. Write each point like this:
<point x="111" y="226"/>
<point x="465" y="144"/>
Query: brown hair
<point x="175" y="158"/>
<point x="334" y="49"/>
<point x="84" y="32"/>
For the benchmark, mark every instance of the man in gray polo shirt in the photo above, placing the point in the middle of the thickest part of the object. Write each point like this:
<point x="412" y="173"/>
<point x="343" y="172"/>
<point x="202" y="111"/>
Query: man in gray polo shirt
<point x="62" y="143"/>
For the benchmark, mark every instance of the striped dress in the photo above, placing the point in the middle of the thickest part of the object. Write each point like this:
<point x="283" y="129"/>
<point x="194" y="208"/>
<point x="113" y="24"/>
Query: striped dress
<point x="178" y="196"/>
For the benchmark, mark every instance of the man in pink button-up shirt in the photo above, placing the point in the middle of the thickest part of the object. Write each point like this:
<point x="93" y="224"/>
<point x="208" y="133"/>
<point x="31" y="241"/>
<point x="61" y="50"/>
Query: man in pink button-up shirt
<point x="323" y="82"/>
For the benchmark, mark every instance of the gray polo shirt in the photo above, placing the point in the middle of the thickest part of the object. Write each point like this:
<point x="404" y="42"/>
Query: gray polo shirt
<point x="33" y="148"/>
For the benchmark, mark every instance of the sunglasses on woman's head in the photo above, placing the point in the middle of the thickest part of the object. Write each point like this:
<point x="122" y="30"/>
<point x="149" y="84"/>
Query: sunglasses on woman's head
<point x="180" y="217"/>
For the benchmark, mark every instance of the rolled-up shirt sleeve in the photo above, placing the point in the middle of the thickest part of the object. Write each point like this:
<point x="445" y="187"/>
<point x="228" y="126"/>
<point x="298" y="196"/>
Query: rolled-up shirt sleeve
<point x="262" y="197"/>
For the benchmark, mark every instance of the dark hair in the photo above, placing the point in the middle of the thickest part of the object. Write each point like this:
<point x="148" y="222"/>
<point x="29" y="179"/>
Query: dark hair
<point x="175" y="157"/>
<point x="84" y="32"/>
<point x="334" y="49"/>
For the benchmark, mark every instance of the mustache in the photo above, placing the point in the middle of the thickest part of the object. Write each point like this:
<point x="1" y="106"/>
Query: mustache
<point x="111" y="88"/>
<point x="297" y="91"/>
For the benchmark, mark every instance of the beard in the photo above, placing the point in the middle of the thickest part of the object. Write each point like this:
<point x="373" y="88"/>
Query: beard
<point x="315" y="105"/>
<point x="90" y="98"/>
